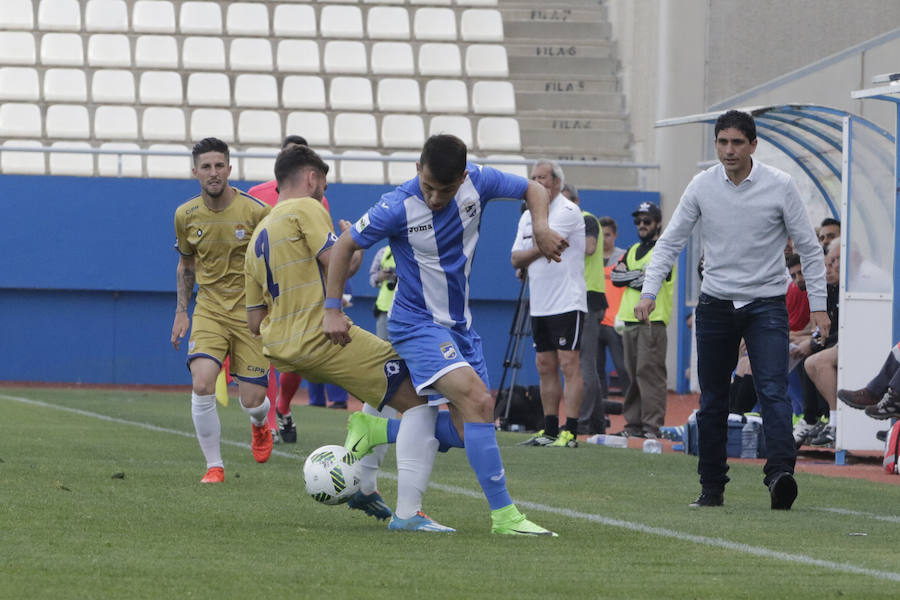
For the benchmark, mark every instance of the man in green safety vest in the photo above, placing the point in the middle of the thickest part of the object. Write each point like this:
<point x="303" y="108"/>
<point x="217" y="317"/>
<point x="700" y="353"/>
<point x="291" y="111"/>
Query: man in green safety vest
<point x="383" y="275"/>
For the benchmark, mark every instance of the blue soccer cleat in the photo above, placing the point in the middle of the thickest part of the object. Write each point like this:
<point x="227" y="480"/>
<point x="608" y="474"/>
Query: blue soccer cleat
<point x="418" y="522"/>
<point x="372" y="504"/>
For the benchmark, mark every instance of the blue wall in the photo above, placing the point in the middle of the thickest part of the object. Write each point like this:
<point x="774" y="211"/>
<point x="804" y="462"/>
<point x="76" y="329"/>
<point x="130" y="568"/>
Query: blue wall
<point x="88" y="278"/>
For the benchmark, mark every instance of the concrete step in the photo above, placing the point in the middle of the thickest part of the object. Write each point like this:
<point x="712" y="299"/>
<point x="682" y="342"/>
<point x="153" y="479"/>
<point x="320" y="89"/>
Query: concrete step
<point x="561" y="66"/>
<point x="602" y="85"/>
<point x="611" y="124"/>
<point x="562" y="50"/>
<point x="603" y="178"/>
<point x="563" y="102"/>
<point x="606" y="144"/>
<point x="565" y="24"/>
<point x="558" y="9"/>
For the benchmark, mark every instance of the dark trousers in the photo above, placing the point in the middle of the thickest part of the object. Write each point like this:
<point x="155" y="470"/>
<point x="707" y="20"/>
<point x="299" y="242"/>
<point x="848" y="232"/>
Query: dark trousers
<point x="610" y="338"/>
<point x="764" y="325"/>
<point x="888" y="376"/>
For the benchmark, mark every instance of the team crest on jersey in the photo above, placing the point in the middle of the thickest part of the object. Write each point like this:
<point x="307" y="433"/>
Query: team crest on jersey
<point x="392" y="367"/>
<point x="362" y="223"/>
<point x="470" y="209"/>
<point x="199" y="233"/>
<point x="240" y="232"/>
<point x="448" y="351"/>
<point x="562" y="341"/>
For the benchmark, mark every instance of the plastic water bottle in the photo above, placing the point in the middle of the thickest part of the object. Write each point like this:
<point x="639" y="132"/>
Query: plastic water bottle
<point x="749" y="440"/>
<point x="613" y="441"/>
<point x="652" y="447"/>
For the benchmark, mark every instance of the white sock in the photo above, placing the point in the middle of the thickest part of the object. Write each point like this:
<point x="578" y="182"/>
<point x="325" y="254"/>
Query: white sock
<point x="416" y="448"/>
<point x="208" y="428"/>
<point x="370" y="463"/>
<point x="832" y="418"/>
<point x="257" y="414"/>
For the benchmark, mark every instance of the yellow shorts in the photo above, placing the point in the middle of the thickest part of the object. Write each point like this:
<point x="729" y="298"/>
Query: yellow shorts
<point x="217" y="338"/>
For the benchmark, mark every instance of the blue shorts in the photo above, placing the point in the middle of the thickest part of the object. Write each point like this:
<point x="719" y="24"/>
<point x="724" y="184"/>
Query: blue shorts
<point x="431" y="351"/>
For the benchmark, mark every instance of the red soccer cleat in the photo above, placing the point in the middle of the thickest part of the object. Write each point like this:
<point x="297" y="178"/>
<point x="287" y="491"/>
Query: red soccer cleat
<point x="262" y="442"/>
<point x="214" y="475"/>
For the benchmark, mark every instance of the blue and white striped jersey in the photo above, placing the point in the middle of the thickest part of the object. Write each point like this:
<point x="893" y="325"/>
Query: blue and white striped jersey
<point x="433" y="250"/>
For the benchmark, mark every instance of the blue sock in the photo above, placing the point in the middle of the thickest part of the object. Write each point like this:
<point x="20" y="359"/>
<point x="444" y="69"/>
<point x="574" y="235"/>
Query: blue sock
<point x="393" y="426"/>
<point x="484" y="458"/>
<point x="446" y="433"/>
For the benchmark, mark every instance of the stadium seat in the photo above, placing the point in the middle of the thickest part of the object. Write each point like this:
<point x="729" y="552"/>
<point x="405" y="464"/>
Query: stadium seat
<point x="247" y="18"/>
<point x="20" y="120"/>
<point x="481" y="25"/>
<point x="446" y="96"/>
<point x="458" y="126"/>
<point x="200" y="18"/>
<point x="401" y="171"/>
<point x="169" y="166"/>
<point x="387" y="23"/>
<point x="431" y="2"/>
<point x="208" y="89"/>
<point x="161" y="87"/>
<point x="153" y="16"/>
<point x="303" y="91"/>
<point x="17" y="14"/>
<point x="109" y="50"/>
<point x="65" y="85"/>
<point x="212" y="122"/>
<point x="520" y="170"/>
<point x="161" y="52"/>
<point x="476" y="2"/>
<point x="112" y="85"/>
<point x="250" y="54"/>
<point x="124" y="165"/>
<point x="25" y="163"/>
<point x="115" y="123"/>
<point x="203" y="53"/>
<point x="384" y="1"/>
<point x="66" y="163"/>
<point x="392" y="58"/>
<point x="298" y="56"/>
<point x="63" y="49"/>
<point x="17" y="47"/>
<point x="399" y="95"/>
<point x="106" y="15"/>
<point x="361" y="171"/>
<point x="67" y="121"/>
<point x="311" y="125"/>
<point x="345" y="57"/>
<point x="259" y="169"/>
<point x="493" y="97"/>
<point x="402" y="131"/>
<point x="350" y="93"/>
<point x="435" y="24"/>
<point x="259" y="127"/>
<point x="255" y="91"/>
<point x="293" y="20"/>
<point x="19" y="83"/>
<point x="341" y="22"/>
<point x="59" y="15"/>
<point x="439" y="60"/>
<point x="356" y="130"/>
<point x="499" y="133"/>
<point x="486" y="60"/>
<point x="162" y="123"/>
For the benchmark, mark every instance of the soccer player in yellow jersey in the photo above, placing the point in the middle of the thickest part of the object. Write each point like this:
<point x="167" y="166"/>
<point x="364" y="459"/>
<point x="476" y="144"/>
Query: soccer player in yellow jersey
<point x="212" y="231"/>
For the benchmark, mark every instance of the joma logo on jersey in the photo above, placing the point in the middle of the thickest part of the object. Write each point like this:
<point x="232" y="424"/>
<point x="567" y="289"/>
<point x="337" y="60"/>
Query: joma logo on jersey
<point x="448" y="351"/>
<point x="417" y="228"/>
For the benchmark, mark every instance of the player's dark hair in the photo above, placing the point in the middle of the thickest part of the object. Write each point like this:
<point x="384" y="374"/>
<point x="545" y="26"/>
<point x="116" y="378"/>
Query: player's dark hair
<point x="210" y="144"/>
<point x="793" y="260"/>
<point x="829" y="221"/>
<point x="445" y="157"/>
<point x="736" y="119"/>
<point x="293" y="139"/>
<point x="609" y="222"/>
<point x="292" y="160"/>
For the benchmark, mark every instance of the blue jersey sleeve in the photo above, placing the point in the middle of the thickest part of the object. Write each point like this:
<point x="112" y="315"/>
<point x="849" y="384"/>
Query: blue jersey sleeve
<point x="492" y="183"/>
<point x="384" y="219"/>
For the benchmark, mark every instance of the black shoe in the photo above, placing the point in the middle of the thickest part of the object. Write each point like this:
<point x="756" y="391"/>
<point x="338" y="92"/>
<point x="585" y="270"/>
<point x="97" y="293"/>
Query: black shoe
<point x="611" y="407"/>
<point x="783" y="490"/>
<point x="860" y="399"/>
<point x="881" y="436"/>
<point x="286" y="428"/>
<point x="710" y="498"/>
<point x="338" y="405"/>
<point x="887" y="408"/>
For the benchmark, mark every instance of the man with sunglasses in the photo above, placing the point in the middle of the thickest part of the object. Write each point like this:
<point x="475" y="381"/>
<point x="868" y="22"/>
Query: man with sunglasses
<point x="644" y="341"/>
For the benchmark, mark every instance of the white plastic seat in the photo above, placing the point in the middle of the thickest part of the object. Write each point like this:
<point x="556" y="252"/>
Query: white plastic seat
<point x="476" y="2"/>
<point x="67" y="121"/>
<point x="493" y="97"/>
<point x="303" y="91"/>
<point x="171" y="167"/>
<point x="392" y="58"/>
<point x="387" y="23"/>
<point x="259" y="127"/>
<point x="160" y="51"/>
<point x="125" y="165"/>
<point x="259" y="169"/>
<point x="402" y="131"/>
<point x="298" y="56"/>
<point x="67" y="163"/>
<point x="350" y="93"/>
<point x="499" y="133"/>
<point x="212" y="122"/>
<point x="200" y="18"/>
<point x="115" y="123"/>
<point x="63" y="49"/>
<point x="435" y="24"/>
<point x="59" y="15"/>
<point x="106" y="15"/>
<point x="109" y="50"/>
<point x="446" y="96"/>
<point x="162" y="123"/>
<point x="311" y="125"/>
<point x="402" y="171"/>
<point x="384" y="1"/>
<point x="458" y="126"/>
<point x="340" y="22"/>
<point x="65" y="85"/>
<point x="208" y="89"/>
<point x="250" y="54"/>
<point x="203" y="53"/>
<point x="292" y="20"/>
<point x="153" y="16"/>
<point x="439" y="59"/>
<point x="430" y="2"/>
<point x="486" y="60"/>
<point x="20" y="120"/>
<point x="481" y="25"/>
<point x="520" y="170"/>
<point x="255" y="91"/>
<point x="361" y="171"/>
<point x="19" y="83"/>
<point x="399" y="95"/>
<point x="25" y="163"/>
<point x="345" y="57"/>
<point x="356" y="130"/>
<point x="112" y="85"/>
<point x="17" y="14"/>
<point x="17" y="47"/>
<point x="161" y="87"/>
<point x="247" y="18"/>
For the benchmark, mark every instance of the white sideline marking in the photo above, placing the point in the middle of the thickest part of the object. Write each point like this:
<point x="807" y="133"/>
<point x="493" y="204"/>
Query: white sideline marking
<point x="856" y="513"/>
<point x="639" y="527"/>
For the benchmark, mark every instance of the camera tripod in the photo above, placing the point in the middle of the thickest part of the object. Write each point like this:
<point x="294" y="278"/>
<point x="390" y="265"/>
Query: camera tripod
<point x="512" y="359"/>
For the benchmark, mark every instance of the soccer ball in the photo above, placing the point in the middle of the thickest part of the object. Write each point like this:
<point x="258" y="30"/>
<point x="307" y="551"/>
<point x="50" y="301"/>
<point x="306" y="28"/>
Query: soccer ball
<point x="332" y="474"/>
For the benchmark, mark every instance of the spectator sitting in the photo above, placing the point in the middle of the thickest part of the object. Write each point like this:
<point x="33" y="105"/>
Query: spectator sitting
<point x="881" y="396"/>
<point x="829" y="230"/>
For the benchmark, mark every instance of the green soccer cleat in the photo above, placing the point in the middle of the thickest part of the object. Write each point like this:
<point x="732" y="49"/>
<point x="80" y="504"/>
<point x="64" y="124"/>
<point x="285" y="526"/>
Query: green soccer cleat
<point x="566" y="439"/>
<point x="509" y="521"/>
<point x="364" y="432"/>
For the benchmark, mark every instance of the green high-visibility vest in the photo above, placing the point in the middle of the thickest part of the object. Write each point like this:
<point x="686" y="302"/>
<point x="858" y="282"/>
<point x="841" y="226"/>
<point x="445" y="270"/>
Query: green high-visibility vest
<point x="593" y="263"/>
<point x="385" y="298"/>
<point x="630" y="297"/>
